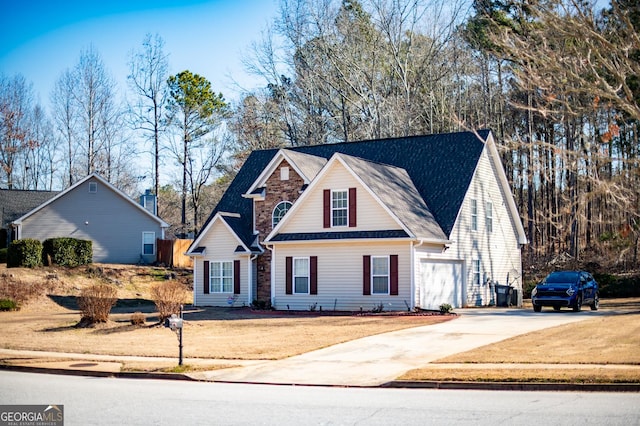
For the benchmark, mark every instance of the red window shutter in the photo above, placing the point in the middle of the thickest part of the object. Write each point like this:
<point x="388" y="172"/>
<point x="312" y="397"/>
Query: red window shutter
<point x="289" y="275"/>
<point x="236" y="277"/>
<point x="326" y="208"/>
<point x="313" y="279"/>
<point x="352" y="207"/>
<point x="393" y="278"/>
<point x="366" y="275"/>
<point x="205" y="277"/>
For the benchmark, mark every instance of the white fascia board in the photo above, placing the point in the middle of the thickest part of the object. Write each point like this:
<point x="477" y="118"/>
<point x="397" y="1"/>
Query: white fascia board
<point x="218" y="216"/>
<point x="494" y="155"/>
<point x="268" y="171"/>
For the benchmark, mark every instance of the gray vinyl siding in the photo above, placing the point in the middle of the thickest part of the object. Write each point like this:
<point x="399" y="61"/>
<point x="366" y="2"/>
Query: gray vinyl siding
<point x="112" y="223"/>
<point x="220" y="245"/>
<point x="340" y="276"/>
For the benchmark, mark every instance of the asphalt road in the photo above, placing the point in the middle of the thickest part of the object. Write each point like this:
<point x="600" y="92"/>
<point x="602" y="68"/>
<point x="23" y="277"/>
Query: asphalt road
<point x="104" y="401"/>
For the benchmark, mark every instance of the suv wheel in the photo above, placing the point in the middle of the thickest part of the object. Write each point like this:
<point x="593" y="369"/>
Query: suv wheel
<point x="596" y="303"/>
<point x="577" y="307"/>
<point x="537" y="308"/>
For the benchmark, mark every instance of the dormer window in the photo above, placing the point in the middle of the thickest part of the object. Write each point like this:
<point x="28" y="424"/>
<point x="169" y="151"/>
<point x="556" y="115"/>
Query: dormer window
<point x="339" y="208"/>
<point x="279" y="211"/>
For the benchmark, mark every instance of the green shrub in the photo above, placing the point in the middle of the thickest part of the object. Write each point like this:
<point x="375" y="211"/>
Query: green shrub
<point x="613" y="286"/>
<point x="445" y="308"/>
<point x="69" y="252"/>
<point x="3" y="255"/>
<point x="95" y="303"/>
<point x="8" y="305"/>
<point x="24" y="253"/>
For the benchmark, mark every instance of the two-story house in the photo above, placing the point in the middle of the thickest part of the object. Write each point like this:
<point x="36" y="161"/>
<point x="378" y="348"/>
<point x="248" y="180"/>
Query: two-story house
<point x="393" y="223"/>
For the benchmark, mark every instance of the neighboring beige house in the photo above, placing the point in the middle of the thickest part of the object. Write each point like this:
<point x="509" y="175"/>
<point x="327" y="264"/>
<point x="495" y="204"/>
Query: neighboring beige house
<point x="397" y="223"/>
<point x="122" y="231"/>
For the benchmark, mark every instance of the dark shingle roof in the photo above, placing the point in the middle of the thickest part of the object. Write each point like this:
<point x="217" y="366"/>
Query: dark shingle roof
<point x="15" y="203"/>
<point x="440" y="166"/>
<point x="308" y="236"/>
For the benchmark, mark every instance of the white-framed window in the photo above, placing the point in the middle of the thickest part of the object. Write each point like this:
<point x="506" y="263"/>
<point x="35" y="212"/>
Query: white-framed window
<point x="149" y="243"/>
<point x="301" y="275"/>
<point x="379" y="274"/>
<point x="339" y="208"/>
<point x="474" y="214"/>
<point x="476" y="272"/>
<point x="93" y="187"/>
<point x="279" y="211"/>
<point x="488" y="216"/>
<point x="221" y="277"/>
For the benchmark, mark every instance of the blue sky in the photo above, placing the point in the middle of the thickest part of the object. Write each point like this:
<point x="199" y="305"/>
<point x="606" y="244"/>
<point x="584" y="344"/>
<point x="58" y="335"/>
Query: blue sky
<point x="40" y="39"/>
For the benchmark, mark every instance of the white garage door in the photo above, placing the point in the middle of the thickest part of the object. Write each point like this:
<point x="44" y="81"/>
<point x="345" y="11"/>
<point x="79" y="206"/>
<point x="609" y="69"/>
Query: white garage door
<point x="441" y="282"/>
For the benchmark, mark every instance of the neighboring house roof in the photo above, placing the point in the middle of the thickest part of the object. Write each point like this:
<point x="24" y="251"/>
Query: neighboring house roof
<point x="439" y="167"/>
<point x="15" y="203"/>
<point x="103" y="181"/>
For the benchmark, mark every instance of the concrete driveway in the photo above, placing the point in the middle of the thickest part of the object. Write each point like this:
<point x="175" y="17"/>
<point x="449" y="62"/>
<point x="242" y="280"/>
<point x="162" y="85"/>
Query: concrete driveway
<point x="374" y="360"/>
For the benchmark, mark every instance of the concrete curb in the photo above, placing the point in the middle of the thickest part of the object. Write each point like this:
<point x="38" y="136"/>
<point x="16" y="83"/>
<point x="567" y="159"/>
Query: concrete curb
<point x="517" y="386"/>
<point x="95" y="373"/>
<point x="399" y="384"/>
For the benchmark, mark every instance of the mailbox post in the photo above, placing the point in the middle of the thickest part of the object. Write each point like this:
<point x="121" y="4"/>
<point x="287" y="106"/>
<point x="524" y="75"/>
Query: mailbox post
<point x="175" y="324"/>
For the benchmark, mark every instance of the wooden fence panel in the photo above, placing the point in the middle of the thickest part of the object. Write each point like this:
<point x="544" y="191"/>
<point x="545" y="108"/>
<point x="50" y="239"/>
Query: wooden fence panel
<point x="171" y="253"/>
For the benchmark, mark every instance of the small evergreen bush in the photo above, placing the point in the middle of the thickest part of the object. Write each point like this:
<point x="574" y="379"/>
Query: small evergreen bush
<point x="69" y="252"/>
<point x="24" y="253"/>
<point x="8" y="305"/>
<point x="445" y="308"/>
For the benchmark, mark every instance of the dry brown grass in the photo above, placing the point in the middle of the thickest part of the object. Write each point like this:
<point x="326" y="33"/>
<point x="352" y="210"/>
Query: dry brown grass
<point x="593" y="374"/>
<point x="608" y="347"/>
<point x="603" y="340"/>
<point x="49" y="323"/>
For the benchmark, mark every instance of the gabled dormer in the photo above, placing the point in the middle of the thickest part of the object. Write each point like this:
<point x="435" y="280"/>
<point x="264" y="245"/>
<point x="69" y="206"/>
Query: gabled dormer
<point x="279" y="185"/>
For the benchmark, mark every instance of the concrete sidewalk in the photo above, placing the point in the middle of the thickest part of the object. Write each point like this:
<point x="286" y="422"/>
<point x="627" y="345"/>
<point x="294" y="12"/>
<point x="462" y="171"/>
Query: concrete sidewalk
<point x="370" y="361"/>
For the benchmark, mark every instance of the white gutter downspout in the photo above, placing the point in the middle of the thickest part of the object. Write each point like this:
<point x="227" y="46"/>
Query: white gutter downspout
<point x="413" y="273"/>
<point x="195" y="280"/>
<point x="272" y="286"/>
<point x="250" y="291"/>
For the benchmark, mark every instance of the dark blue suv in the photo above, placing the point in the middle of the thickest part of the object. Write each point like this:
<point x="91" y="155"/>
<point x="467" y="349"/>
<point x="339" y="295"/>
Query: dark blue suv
<point x="566" y="288"/>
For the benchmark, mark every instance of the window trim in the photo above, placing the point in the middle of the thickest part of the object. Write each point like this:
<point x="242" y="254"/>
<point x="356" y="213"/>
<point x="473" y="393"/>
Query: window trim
<point x="273" y="213"/>
<point x="345" y="208"/>
<point x="93" y="187"/>
<point x="387" y="275"/>
<point x="476" y="272"/>
<point x="294" y="275"/>
<point x="153" y="244"/>
<point x="212" y="264"/>
<point x="488" y="217"/>
<point x="474" y="214"/>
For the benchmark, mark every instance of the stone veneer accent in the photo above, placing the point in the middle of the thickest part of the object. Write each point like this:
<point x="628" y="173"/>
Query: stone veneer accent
<point x="276" y="191"/>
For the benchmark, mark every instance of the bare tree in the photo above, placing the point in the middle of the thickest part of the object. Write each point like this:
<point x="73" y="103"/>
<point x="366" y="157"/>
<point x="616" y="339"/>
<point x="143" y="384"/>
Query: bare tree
<point x="149" y="68"/>
<point x="15" y="107"/>
<point x="66" y="120"/>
